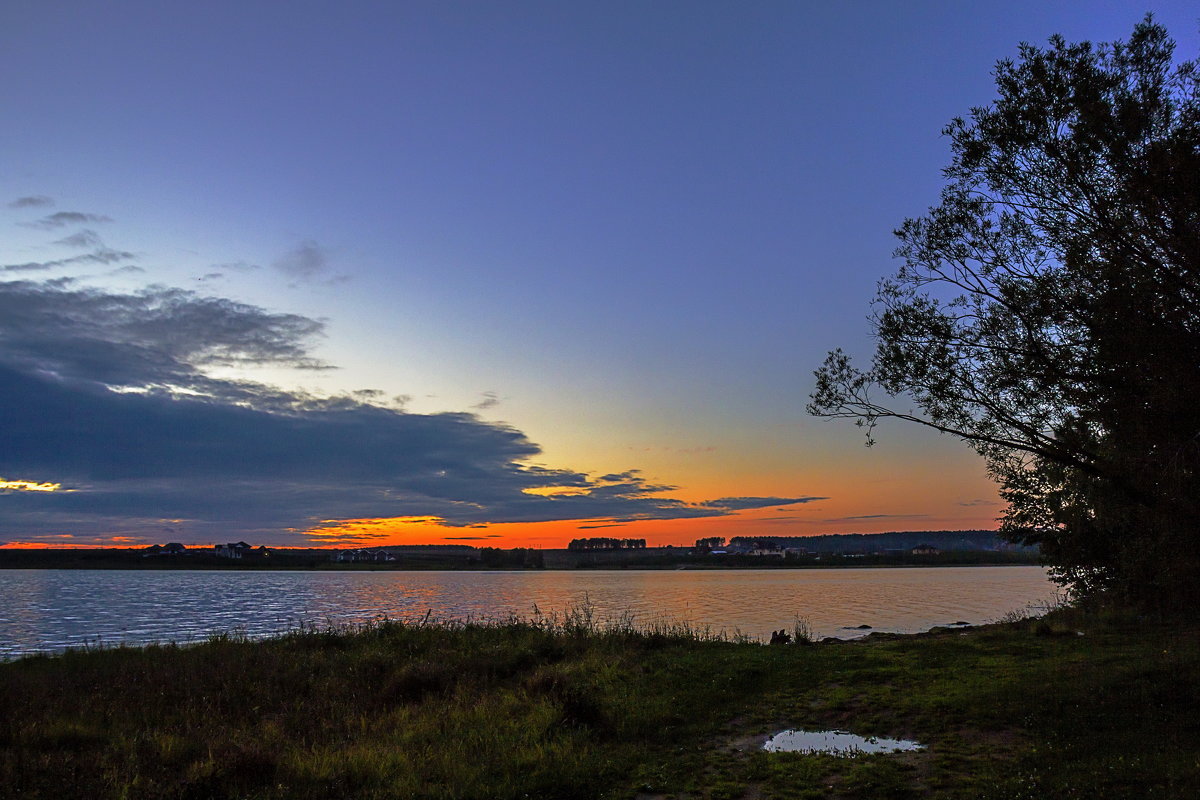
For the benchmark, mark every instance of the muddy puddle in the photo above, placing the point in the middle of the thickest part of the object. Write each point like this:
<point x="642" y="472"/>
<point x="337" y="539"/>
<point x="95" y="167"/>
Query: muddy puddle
<point x="838" y="743"/>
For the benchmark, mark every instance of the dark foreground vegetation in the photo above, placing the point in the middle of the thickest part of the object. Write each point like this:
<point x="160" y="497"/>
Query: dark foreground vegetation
<point x="570" y="709"/>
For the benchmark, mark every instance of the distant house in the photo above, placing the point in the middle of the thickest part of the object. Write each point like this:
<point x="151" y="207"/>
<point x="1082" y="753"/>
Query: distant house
<point x="925" y="550"/>
<point x="172" y="549"/>
<point x="374" y="556"/>
<point x="768" y="548"/>
<point x="232" y="550"/>
<point x="765" y="548"/>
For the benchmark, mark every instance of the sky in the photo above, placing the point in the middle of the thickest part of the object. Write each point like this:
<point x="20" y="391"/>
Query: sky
<point x="502" y="273"/>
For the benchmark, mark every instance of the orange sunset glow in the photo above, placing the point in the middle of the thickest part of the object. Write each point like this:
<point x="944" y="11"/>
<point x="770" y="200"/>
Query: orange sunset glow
<point x="657" y="533"/>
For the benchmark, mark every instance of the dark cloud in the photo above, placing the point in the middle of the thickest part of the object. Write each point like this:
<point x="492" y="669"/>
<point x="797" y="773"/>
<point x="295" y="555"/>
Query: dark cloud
<point x="977" y="503"/>
<point x="107" y="394"/>
<point x="32" y="201"/>
<point x="745" y="503"/>
<point x="158" y="337"/>
<point x="62" y="219"/>
<point x="307" y="262"/>
<point x="620" y="477"/>
<point x="132" y="460"/>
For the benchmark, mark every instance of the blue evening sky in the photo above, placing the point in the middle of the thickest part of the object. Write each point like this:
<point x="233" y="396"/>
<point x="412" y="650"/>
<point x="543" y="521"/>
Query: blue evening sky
<point x="631" y="230"/>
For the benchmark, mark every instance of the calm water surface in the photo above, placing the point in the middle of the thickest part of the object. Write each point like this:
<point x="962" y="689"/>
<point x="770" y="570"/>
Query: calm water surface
<point x="48" y="610"/>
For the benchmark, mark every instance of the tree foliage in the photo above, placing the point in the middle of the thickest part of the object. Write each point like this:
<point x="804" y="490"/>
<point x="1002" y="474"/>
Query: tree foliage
<point x="1048" y="312"/>
<point x="516" y="557"/>
<point x="606" y="543"/>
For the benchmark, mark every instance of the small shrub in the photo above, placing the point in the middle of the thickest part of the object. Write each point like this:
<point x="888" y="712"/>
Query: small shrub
<point x="802" y="631"/>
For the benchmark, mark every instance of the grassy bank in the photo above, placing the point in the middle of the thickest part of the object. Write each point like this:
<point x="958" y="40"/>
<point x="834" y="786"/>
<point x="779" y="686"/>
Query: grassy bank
<point x="572" y="709"/>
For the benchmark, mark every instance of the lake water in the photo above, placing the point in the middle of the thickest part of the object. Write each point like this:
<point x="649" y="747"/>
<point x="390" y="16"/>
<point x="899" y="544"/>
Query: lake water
<point x="49" y="610"/>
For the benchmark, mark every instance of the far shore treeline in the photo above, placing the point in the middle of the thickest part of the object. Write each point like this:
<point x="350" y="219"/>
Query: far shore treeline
<point x="899" y="548"/>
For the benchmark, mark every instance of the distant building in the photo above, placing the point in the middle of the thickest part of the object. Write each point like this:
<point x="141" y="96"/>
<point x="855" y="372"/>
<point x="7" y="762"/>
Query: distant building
<point x="371" y="556"/>
<point x="742" y="546"/>
<point x="172" y="549"/>
<point x="925" y="550"/>
<point x="232" y="550"/>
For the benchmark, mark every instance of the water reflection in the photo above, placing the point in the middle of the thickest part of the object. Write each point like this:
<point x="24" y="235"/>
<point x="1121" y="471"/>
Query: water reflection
<point x="838" y="743"/>
<point x="53" y="609"/>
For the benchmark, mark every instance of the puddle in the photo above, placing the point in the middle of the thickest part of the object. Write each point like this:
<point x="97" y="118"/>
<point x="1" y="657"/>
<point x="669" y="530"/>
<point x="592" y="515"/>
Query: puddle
<point x="838" y="743"/>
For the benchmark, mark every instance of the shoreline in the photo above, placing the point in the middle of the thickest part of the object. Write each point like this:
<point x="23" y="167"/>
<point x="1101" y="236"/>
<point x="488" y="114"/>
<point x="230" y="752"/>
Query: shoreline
<point x="556" y="561"/>
<point x="606" y="568"/>
<point x="1029" y="707"/>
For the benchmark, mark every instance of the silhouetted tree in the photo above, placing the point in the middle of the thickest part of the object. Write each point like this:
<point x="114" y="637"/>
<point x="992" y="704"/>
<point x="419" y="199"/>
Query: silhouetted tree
<point x="1048" y="312"/>
<point x="605" y="543"/>
<point x="516" y="557"/>
<point x="710" y="543"/>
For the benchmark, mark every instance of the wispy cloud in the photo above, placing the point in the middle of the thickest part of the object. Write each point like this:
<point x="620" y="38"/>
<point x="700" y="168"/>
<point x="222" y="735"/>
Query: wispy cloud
<point x="62" y="219"/>
<point x="236" y="266"/>
<point x="304" y="264"/>
<point x="84" y="239"/>
<point x="875" y="516"/>
<point x="101" y="255"/>
<point x="32" y="201"/>
<point x="746" y="503"/>
<point x="490" y="400"/>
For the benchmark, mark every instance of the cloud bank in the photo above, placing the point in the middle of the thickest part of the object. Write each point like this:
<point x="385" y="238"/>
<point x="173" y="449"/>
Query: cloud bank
<point x="107" y="394"/>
